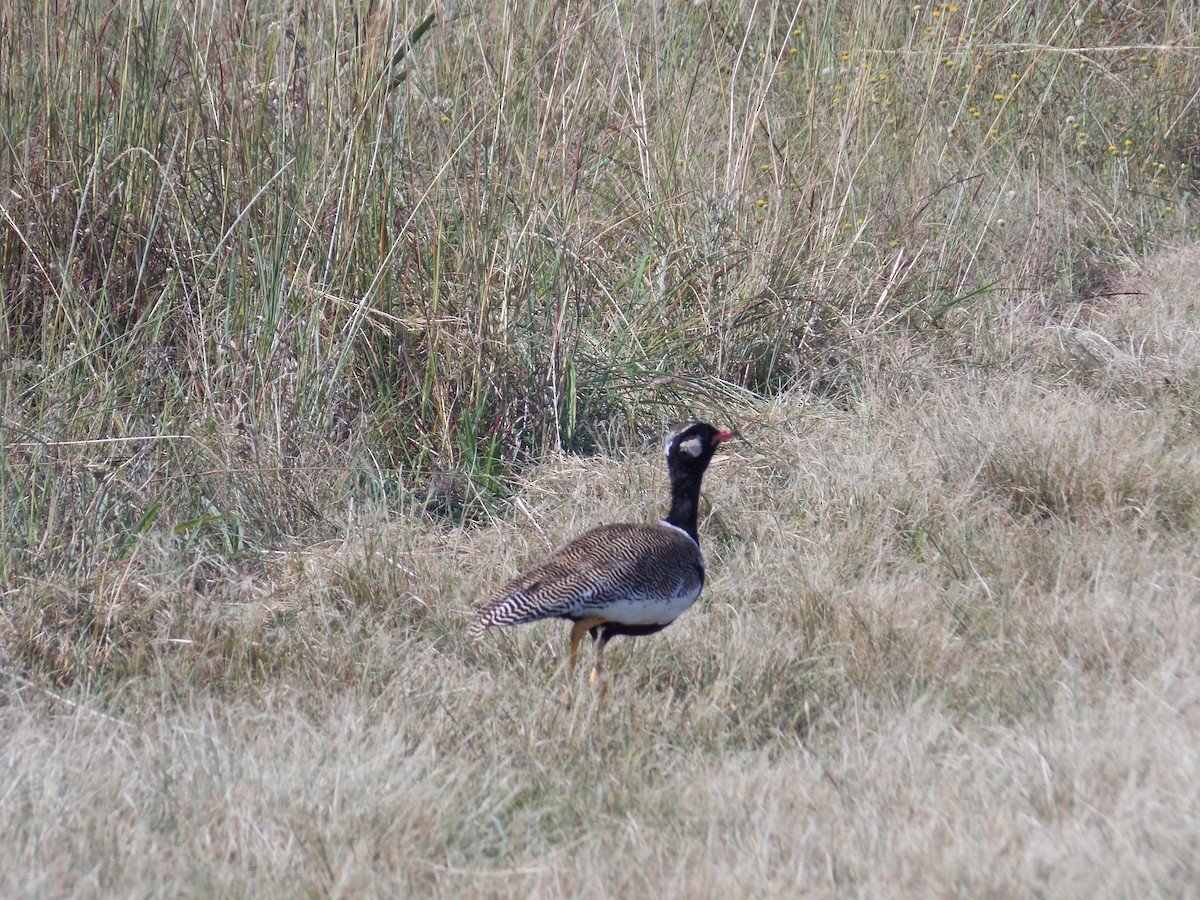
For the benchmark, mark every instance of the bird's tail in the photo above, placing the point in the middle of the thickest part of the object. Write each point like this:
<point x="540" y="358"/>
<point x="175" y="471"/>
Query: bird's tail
<point x="476" y="629"/>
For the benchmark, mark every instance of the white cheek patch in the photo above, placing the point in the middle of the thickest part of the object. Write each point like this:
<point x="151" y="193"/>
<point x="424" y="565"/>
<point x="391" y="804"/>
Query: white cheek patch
<point x="692" y="446"/>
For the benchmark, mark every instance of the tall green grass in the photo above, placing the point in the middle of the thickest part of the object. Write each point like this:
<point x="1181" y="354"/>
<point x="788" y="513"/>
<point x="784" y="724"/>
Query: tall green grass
<point x="256" y="262"/>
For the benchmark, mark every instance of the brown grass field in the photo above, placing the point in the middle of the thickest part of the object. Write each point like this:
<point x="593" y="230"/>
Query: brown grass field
<point x="314" y="335"/>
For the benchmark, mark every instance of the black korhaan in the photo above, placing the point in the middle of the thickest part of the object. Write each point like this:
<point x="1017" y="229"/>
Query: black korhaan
<point x="632" y="579"/>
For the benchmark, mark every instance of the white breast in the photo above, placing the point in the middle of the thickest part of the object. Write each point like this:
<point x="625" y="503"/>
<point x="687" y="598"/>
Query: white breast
<point x="652" y="610"/>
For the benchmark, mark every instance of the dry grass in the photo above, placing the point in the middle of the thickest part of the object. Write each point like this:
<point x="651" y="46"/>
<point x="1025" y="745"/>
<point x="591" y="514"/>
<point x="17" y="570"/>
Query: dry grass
<point x="309" y="338"/>
<point x="948" y="646"/>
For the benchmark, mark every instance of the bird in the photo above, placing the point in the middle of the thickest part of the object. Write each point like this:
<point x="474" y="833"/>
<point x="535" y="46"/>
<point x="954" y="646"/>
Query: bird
<point x="623" y="579"/>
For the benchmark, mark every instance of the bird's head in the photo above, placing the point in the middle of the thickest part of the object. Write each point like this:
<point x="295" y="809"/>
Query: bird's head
<point x="690" y="446"/>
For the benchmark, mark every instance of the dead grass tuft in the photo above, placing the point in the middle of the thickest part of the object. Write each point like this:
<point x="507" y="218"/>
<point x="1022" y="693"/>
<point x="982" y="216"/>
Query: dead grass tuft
<point x="1067" y="453"/>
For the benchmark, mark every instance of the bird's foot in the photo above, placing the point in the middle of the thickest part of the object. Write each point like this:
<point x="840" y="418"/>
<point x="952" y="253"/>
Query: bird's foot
<point x="600" y="685"/>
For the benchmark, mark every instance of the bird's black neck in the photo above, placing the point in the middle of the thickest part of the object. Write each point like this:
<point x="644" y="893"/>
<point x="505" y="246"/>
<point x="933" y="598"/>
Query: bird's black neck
<point x="685" y="502"/>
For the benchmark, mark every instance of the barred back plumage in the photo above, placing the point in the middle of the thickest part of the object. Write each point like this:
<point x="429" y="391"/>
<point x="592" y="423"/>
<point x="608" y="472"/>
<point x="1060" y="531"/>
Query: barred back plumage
<point x="653" y="572"/>
<point x="631" y="579"/>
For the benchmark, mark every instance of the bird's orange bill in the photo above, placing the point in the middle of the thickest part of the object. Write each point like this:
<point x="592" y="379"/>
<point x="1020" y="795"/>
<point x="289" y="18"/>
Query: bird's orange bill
<point x="727" y="434"/>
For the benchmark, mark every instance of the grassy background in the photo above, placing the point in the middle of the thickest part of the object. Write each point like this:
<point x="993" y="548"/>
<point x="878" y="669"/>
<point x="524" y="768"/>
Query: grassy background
<point x="312" y="337"/>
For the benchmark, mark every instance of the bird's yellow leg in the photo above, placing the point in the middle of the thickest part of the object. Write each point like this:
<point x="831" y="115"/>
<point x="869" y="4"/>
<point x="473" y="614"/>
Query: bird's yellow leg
<point x="582" y="627"/>
<point x="597" y="678"/>
<point x="597" y="675"/>
<point x="578" y="630"/>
